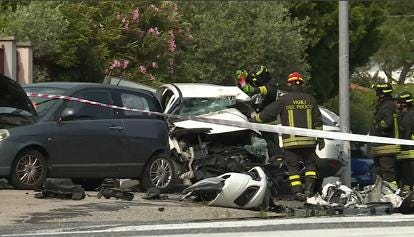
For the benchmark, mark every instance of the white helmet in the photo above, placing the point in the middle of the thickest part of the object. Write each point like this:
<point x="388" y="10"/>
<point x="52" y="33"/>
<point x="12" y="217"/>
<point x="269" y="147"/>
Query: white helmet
<point x="247" y="191"/>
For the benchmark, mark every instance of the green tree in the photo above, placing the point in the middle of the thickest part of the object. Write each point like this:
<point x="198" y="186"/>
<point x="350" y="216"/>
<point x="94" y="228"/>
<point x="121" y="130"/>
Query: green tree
<point x="45" y="31"/>
<point x="238" y="35"/>
<point x="139" y="40"/>
<point x="397" y="50"/>
<point x="322" y="34"/>
<point x="362" y="108"/>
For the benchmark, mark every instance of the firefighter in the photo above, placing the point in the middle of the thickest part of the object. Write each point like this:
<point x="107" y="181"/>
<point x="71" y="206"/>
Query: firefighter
<point x="405" y="159"/>
<point x="260" y="82"/>
<point x="385" y="124"/>
<point x="297" y="109"/>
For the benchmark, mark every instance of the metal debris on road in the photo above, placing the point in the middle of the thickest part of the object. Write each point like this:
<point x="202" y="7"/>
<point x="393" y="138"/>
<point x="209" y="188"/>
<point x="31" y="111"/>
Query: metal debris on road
<point x="50" y="190"/>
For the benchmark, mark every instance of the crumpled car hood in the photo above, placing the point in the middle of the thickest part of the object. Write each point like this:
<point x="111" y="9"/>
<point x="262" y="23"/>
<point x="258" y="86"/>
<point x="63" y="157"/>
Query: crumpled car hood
<point x="226" y="114"/>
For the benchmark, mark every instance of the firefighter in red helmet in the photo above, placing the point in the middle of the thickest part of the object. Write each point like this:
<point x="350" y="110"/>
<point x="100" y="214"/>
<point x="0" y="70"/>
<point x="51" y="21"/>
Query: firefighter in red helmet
<point x="297" y="109"/>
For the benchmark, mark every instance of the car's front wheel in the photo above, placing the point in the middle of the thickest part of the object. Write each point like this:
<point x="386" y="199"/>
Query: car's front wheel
<point x="29" y="170"/>
<point x="159" y="173"/>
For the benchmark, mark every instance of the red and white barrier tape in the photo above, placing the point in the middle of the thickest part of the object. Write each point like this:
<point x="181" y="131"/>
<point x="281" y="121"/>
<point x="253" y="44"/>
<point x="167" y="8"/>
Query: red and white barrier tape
<point x="253" y="126"/>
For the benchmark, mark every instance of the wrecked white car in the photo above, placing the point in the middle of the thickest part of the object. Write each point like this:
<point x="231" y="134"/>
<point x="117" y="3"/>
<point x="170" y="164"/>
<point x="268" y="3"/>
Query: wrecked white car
<point x="205" y="150"/>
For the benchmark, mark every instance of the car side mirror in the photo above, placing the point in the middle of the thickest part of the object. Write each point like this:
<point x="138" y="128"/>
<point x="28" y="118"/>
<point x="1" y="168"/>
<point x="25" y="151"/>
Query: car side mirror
<point x="67" y="114"/>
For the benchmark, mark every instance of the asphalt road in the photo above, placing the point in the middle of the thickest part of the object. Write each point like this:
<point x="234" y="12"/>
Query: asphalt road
<point x="392" y="225"/>
<point x="23" y="215"/>
<point x="20" y="208"/>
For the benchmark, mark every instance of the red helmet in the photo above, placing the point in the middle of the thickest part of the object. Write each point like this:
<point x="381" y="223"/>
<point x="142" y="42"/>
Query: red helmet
<point x="295" y="77"/>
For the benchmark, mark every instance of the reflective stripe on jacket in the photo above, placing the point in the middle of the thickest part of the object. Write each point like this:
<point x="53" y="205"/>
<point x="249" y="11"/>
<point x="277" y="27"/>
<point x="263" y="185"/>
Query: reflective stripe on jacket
<point x="385" y="124"/>
<point x="296" y="109"/>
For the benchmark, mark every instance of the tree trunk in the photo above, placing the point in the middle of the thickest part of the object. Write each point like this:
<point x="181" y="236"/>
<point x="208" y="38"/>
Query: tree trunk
<point x="403" y="75"/>
<point x="389" y="75"/>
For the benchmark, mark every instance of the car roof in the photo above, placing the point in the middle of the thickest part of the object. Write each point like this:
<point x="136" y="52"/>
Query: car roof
<point x="205" y="90"/>
<point x="59" y="85"/>
<point x="127" y="83"/>
<point x="71" y="86"/>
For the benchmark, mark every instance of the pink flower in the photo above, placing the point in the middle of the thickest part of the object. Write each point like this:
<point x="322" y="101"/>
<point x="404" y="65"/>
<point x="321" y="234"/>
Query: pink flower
<point x="142" y="69"/>
<point x="154" y="65"/>
<point x="115" y="64"/>
<point x="154" y="31"/>
<point x="135" y="15"/>
<point x="171" y="42"/>
<point x="125" y="64"/>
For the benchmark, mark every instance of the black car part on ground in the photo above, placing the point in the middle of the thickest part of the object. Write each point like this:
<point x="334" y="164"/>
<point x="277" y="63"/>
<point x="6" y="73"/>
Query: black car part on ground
<point x="110" y="188"/>
<point x="51" y="190"/>
<point x="115" y="193"/>
<point x="407" y="205"/>
<point x="154" y="193"/>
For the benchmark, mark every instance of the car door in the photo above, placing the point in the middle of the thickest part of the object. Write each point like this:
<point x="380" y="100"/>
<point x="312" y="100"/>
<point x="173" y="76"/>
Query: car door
<point x="89" y="144"/>
<point x="144" y="134"/>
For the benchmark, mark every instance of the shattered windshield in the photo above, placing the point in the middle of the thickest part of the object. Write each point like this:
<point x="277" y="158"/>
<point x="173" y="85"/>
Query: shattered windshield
<point x="198" y="106"/>
<point x="43" y="105"/>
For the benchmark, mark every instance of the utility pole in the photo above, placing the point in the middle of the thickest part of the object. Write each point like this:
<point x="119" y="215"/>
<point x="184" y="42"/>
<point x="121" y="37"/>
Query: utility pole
<point x="344" y="87"/>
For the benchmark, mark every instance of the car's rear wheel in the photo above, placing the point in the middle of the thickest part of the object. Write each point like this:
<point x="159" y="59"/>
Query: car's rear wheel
<point x="29" y="170"/>
<point x="159" y="173"/>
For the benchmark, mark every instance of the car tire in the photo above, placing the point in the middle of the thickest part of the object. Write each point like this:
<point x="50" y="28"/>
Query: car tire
<point x="88" y="184"/>
<point x="29" y="170"/>
<point x="159" y="173"/>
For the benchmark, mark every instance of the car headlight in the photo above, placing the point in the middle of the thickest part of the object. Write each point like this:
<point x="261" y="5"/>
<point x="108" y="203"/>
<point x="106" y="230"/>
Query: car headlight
<point x="4" y="133"/>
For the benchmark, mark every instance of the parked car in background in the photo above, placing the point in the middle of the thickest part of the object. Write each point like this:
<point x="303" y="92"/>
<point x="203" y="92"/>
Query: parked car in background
<point x="110" y="80"/>
<point x="361" y="166"/>
<point x="68" y="139"/>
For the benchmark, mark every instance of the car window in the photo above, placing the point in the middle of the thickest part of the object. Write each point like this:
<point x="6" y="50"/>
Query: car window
<point x="43" y="105"/>
<point x="89" y="111"/>
<point x="134" y="101"/>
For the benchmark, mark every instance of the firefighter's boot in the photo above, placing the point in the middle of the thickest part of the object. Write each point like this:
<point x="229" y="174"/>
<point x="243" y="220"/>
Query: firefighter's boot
<point x="296" y="186"/>
<point x="310" y="186"/>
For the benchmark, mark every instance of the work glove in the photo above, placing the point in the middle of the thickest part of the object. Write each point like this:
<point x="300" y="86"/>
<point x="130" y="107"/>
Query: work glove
<point x="252" y="118"/>
<point x="248" y="89"/>
<point x="321" y="143"/>
<point x="277" y="161"/>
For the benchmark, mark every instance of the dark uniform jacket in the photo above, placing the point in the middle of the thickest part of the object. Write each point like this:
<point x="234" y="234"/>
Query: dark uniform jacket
<point x="385" y="124"/>
<point x="269" y="91"/>
<point x="296" y="109"/>
<point x="406" y="124"/>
